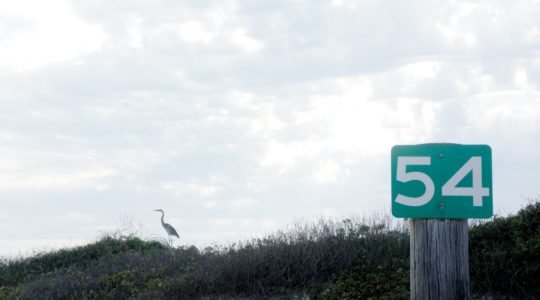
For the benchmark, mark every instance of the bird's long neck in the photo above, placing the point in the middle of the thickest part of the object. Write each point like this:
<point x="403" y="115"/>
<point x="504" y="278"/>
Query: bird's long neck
<point x="162" y="215"/>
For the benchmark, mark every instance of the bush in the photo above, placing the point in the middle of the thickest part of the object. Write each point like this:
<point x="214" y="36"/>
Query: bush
<point x="384" y="283"/>
<point x="293" y="261"/>
<point x="505" y="255"/>
<point x="349" y="259"/>
<point x="283" y="263"/>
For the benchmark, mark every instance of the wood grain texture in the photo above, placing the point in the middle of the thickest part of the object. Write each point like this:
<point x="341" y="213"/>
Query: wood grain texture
<point x="439" y="259"/>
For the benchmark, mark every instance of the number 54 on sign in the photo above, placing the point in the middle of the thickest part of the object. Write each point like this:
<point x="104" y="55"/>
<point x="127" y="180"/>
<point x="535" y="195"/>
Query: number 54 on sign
<point x="442" y="181"/>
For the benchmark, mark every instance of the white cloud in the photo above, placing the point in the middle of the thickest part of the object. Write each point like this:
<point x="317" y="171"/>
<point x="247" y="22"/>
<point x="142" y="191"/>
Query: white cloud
<point x="246" y="43"/>
<point x="251" y="112"/>
<point x="505" y="111"/>
<point x="53" y="34"/>
<point x="521" y="80"/>
<point x="243" y="202"/>
<point x="194" y="31"/>
<point x="194" y="189"/>
<point x="286" y="155"/>
<point x="416" y="72"/>
<point x="79" y="217"/>
<point x="54" y="180"/>
<point x="328" y="172"/>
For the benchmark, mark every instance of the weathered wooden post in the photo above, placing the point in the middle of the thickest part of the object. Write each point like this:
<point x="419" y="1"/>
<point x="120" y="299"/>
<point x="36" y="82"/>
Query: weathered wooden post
<point x="439" y="259"/>
<point x="439" y="186"/>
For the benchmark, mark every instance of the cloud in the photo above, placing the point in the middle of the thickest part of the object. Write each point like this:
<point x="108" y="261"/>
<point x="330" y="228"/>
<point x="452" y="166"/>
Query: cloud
<point x="504" y="111"/>
<point x="52" y="28"/>
<point x="252" y="112"/>
<point x="80" y="217"/>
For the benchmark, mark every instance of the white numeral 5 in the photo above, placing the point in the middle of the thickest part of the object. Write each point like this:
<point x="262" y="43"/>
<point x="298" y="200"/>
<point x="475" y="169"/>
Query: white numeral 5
<point x="403" y="176"/>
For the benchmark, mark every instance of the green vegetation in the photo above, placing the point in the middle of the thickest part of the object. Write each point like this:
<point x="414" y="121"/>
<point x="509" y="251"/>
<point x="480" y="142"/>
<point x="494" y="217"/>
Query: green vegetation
<point x="505" y="255"/>
<point x="350" y="259"/>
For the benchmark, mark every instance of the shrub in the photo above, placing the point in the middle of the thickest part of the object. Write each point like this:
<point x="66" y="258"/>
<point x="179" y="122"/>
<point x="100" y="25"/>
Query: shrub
<point x="505" y="255"/>
<point x="328" y="259"/>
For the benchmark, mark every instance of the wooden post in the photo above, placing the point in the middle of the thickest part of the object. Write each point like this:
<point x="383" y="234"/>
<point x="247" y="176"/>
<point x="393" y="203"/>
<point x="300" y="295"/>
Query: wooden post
<point x="439" y="259"/>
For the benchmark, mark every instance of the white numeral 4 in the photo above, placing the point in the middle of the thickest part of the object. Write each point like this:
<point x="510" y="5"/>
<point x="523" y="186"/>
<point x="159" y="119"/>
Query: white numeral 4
<point x="473" y="165"/>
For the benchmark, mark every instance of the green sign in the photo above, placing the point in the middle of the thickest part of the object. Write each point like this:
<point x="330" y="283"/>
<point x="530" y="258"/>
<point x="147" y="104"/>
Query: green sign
<point x="442" y="181"/>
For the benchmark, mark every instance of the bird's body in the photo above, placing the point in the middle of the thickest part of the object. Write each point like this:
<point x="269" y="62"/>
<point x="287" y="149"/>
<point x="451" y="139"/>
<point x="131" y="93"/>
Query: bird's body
<point x="170" y="230"/>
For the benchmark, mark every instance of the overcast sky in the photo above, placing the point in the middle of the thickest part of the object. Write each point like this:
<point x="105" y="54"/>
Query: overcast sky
<point x="240" y="117"/>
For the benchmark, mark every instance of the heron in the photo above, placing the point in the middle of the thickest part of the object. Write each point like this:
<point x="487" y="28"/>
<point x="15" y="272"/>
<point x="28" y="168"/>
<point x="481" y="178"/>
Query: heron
<point x="170" y="230"/>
